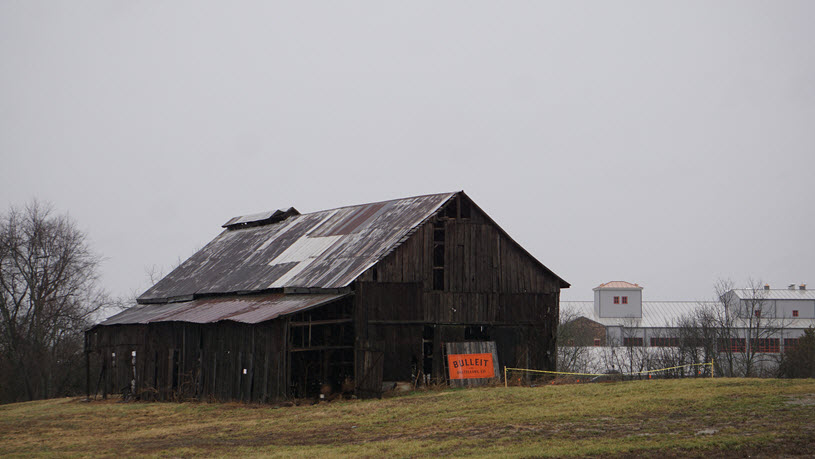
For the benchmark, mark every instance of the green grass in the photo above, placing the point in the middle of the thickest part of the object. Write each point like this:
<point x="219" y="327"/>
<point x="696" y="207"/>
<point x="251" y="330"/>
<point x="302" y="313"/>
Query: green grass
<point x="723" y="417"/>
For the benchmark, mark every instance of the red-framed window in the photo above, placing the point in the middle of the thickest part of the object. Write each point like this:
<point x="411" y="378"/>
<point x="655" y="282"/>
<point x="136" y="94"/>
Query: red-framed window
<point x="632" y="341"/>
<point x="794" y="313"/>
<point x="616" y="300"/>
<point x="625" y="300"/>
<point x="732" y="344"/>
<point x="790" y="344"/>
<point x="768" y="345"/>
<point x="596" y="341"/>
<point x="665" y="342"/>
<point x="758" y="312"/>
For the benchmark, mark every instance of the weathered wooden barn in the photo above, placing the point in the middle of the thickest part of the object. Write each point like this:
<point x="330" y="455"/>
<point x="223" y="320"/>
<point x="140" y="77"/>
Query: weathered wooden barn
<point x="282" y="303"/>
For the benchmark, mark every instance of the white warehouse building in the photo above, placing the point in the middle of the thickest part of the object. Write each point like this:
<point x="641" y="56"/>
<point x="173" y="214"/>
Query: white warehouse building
<point x="762" y="320"/>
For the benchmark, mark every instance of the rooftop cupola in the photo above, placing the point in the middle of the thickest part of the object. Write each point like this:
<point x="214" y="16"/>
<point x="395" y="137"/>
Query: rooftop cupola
<point x="618" y="299"/>
<point x="263" y="218"/>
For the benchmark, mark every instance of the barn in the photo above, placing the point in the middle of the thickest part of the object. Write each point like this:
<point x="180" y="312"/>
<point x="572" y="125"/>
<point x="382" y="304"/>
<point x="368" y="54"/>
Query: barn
<point x="282" y="304"/>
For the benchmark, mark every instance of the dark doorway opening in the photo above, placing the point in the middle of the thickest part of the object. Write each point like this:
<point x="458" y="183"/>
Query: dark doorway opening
<point x="321" y="350"/>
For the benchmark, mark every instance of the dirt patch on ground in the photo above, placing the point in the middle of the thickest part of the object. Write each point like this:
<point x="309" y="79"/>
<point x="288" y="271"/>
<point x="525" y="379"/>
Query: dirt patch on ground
<point x="803" y="400"/>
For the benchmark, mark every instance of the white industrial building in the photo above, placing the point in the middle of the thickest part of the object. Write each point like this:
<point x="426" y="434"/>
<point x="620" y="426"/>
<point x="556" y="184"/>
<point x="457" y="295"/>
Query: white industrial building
<point x="761" y="321"/>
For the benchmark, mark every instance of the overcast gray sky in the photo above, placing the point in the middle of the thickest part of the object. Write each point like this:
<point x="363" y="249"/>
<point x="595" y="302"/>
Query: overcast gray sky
<point x="668" y="144"/>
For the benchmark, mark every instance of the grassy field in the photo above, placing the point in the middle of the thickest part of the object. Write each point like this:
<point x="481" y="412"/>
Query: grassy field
<point x="703" y="417"/>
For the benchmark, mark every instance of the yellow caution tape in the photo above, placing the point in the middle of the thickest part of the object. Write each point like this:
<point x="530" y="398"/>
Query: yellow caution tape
<point x="606" y="374"/>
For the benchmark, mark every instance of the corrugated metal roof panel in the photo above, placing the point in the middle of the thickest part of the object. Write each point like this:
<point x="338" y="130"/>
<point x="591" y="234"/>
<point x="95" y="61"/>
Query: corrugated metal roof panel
<point x="337" y="245"/>
<point x="245" y="309"/>
<point x="659" y="314"/>
<point x="775" y="294"/>
<point x="656" y="314"/>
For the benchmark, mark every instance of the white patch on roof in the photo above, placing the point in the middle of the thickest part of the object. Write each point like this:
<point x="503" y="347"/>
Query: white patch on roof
<point x="303" y="251"/>
<point x="305" y="248"/>
<point x="297" y="269"/>
<point x="288" y="224"/>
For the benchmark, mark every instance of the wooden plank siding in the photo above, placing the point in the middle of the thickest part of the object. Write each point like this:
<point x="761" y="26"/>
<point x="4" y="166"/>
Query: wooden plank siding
<point x="488" y="280"/>
<point x="478" y="258"/>
<point x="184" y="360"/>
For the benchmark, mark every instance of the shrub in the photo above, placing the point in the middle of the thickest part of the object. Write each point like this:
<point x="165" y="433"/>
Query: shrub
<point x="799" y="362"/>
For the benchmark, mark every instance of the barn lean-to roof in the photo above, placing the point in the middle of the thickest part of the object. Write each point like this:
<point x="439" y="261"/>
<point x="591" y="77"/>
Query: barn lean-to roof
<point x="248" y="309"/>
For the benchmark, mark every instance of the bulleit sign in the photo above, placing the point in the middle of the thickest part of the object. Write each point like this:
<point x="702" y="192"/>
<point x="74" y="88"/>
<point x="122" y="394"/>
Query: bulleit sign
<point x="470" y="366"/>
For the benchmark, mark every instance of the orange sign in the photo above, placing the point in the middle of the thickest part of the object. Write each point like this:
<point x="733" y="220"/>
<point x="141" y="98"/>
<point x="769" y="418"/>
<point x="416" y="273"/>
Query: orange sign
<point x="470" y="366"/>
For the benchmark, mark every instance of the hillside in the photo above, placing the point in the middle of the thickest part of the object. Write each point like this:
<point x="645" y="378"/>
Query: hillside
<point x="723" y="417"/>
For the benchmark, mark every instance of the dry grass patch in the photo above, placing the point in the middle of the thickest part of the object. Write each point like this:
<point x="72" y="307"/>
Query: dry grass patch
<point x="674" y="418"/>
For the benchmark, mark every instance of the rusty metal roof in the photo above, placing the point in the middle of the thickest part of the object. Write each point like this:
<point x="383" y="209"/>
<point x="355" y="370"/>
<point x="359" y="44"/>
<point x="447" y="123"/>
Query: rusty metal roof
<point x="322" y="250"/>
<point x="246" y="309"/>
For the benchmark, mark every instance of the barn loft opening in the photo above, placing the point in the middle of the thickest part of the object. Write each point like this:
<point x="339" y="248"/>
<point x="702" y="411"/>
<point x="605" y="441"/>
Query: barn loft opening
<point x="438" y="255"/>
<point x="451" y="210"/>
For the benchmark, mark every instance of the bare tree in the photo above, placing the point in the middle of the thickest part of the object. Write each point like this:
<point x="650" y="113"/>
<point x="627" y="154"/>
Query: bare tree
<point x="48" y="296"/>
<point x="626" y="353"/>
<point x="667" y="353"/>
<point x="698" y="332"/>
<point x="748" y="329"/>
<point x="573" y="343"/>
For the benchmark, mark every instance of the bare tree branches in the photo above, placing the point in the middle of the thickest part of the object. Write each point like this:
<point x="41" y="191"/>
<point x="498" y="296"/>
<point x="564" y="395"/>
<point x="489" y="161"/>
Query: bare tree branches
<point x="573" y="343"/>
<point x="741" y="332"/>
<point x="747" y="328"/>
<point x="48" y="295"/>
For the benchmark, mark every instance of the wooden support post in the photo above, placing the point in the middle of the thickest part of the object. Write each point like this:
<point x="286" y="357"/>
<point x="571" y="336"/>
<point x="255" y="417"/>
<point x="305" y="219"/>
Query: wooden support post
<point x="199" y="386"/>
<point x="251" y="377"/>
<point x="87" y="369"/>
<point x="266" y="377"/>
<point x="156" y="388"/>
<point x="215" y="373"/>
<point x="239" y="373"/>
<point x="104" y="373"/>
<point x="182" y="358"/>
<point x="179" y="372"/>
<point x="169" y="384"/>
<point x="99" y="381"/>
<point x="287" y="356"/>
